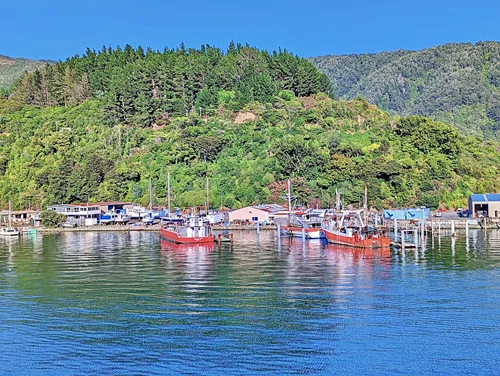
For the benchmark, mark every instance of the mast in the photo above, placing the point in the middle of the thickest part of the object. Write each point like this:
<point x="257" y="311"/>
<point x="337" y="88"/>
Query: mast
<point x="10" y="217"/>
<point x="168" y="189"/>
<point x="365" y="204"/>
<point x="289" y="200"/>
<point x="337" y="199"/>
<point x="150" y="194"/>
<point x="208" y="203"/>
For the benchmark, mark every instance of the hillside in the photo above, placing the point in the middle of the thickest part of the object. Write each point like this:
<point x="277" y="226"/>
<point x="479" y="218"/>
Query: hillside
<point x="11" y="69"/>
<point x="455" y="83"/>
<point x="98" y="127"/>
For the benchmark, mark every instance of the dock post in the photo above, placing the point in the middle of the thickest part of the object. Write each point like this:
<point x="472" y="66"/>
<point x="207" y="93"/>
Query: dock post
<point x="303" y="234"/>
<point x="403" y="240"/>
<point x="432" y="226"/>
<point x="395" y="230"/>
<point x="279" y="232"/>
<point x="452" y="227"/>
<point x="258" y="227"/>
<point x="439" y="227"/>
<point x="422" y="229"/>
<point x="467" y="229"/>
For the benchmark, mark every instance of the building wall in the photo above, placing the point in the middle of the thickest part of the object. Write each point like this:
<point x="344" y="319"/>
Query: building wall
<point x="494" y="209"/>
<point x="248" y="214"/>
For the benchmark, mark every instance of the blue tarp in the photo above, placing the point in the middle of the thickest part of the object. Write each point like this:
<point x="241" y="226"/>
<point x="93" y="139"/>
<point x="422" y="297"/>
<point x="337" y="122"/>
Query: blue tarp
<point x="406" y="214"/>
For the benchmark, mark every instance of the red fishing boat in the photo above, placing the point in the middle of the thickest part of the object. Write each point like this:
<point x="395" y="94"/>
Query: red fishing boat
<point x="350" y="230"/>
<point x="193" y="230"/>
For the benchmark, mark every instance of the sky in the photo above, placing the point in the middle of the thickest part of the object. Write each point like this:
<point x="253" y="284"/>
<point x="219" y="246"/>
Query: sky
<point x="56" y="29"/>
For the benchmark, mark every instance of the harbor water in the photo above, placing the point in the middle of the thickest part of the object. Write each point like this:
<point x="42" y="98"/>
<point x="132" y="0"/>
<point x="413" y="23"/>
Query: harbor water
<point x="126" y="303"/>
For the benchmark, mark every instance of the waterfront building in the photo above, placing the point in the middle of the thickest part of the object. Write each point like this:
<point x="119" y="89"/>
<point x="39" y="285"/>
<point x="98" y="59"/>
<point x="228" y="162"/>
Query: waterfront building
<point x="255" y="214"/>
<point x="18" y="217"/>
<point x="79" y="214"/>
<point x="484" y="205"/>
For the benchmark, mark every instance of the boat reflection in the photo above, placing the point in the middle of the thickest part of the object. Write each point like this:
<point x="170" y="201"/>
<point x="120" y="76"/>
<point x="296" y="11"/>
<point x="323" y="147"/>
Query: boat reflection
<point x="167" y="246"/>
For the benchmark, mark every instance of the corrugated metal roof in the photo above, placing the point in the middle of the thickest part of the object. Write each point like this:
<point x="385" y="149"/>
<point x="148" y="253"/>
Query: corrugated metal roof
<point x="485" y="197"/>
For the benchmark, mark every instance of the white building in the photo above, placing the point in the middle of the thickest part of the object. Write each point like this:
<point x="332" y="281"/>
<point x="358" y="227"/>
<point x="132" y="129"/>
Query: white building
<point x="78" y="213"/>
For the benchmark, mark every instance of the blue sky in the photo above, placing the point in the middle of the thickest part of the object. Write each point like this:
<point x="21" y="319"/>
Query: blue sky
<point x="58" y="29"/>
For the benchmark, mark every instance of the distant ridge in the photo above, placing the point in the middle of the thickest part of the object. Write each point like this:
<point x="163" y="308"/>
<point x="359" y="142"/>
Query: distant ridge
<point x="456" y="83"/>
<point x="13" y="68"/>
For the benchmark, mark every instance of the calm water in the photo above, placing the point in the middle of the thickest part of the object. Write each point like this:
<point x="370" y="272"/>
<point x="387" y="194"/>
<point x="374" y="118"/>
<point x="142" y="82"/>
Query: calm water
<point x="117" y="303"/>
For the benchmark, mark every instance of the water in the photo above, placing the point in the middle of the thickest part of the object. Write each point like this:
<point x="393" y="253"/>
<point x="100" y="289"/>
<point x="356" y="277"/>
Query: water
<point x="126" y="303"/>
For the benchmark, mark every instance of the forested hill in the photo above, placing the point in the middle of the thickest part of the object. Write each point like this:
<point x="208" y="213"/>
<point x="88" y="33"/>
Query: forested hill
<point x="11" y="69"/>
<point x="455" y="83"/>
<point x="98" y="127"/>
<point x="137" y="85"/>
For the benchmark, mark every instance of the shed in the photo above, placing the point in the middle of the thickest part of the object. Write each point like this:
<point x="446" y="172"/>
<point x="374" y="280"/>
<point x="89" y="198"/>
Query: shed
<point x="250" y="214"/>
<point x="486" y="204"/>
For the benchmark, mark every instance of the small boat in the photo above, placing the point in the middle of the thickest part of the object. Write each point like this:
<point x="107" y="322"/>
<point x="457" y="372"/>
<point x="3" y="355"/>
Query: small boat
<point x="122" y="219"/>
<point x="310" y="223"/>
<point x="108" y="218"/>
<point x="195" y="230"/>
<point x="148" y="219"/>
<point x="9" y="231"/>
<point x="136" y="212"/>
<point x="350" y="230"/>
<point x="28" y="231"/>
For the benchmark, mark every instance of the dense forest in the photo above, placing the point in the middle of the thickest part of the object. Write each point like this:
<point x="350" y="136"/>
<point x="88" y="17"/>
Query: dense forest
<point x="98" y="127"/>
<point x="455" y="83"/>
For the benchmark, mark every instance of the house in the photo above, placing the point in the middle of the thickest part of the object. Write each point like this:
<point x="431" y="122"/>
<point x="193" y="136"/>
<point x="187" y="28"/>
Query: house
<point x="254" y="214"/>
<point x="487" y="205"/>
<point x="19" y="216"/>
<point x="80" y="214"/>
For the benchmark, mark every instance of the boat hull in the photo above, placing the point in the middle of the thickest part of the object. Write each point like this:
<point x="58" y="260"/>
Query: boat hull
<point x="357" y="241"/>
<point x="296" y="232"/>
<point x="175" y="238"/>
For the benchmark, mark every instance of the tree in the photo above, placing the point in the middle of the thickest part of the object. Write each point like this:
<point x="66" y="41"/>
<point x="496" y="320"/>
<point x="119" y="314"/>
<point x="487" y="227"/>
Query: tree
<point x="50" y="218"/>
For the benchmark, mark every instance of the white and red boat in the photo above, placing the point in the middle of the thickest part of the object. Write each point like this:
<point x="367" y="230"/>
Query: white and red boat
<point x="349" y="229"/>
<point x="193" y="230"/>
<point x="308" y="222"/>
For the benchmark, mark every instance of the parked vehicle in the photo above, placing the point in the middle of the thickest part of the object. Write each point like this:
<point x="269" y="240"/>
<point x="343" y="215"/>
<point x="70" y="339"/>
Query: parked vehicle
<point x="463" y="214"/>
<point x="438" y="214"/>
<point x="69" y="224"/>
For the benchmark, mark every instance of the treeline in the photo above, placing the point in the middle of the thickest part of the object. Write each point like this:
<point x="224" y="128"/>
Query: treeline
<point x="139" y="85"/>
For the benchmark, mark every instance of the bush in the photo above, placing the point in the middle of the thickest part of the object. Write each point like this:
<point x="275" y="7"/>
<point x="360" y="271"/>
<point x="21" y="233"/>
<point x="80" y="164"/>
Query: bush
<point x="52" y="219"/>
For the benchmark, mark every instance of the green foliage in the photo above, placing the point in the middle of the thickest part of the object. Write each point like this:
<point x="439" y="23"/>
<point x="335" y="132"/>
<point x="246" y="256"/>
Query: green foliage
<point x="454" y="83"/>
<point x="143" y="119"/>
<point x="139" y="87"/>
<point x="52" y="219"/>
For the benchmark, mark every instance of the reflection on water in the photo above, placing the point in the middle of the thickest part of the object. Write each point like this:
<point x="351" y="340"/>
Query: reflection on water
<point x="128" y="303"/>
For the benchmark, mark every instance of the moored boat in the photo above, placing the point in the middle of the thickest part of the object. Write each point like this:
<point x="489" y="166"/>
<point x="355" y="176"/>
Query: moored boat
<point x="9" y="231"/>
<point x="194" y="230"/>
<point x="350" y="230"/>
<point x="306" y="223"/>
<point x="122" y="218"/>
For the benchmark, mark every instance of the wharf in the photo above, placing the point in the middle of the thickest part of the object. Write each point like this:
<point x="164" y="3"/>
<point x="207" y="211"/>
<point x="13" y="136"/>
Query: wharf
<point x="244" y="227"/>
<point x="110" y="228"/>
